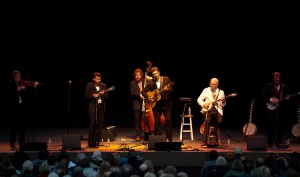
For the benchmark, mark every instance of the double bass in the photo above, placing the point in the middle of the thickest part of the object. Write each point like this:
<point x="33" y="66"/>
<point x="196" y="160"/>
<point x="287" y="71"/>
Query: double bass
<point x="148" y="121"/>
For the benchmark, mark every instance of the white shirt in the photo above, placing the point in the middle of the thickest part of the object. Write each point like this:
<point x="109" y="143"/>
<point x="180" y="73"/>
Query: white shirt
<point x="206" y="95"/>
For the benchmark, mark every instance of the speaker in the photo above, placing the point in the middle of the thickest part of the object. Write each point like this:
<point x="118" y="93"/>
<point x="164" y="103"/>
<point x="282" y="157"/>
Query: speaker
<point x="109" y="132"/>
<point x="154" y="138"/>
<point x="33" y="146"/>
<point x="256" y="142"/>
<point x="168" y="146"/>
<point x="71" y="142"/>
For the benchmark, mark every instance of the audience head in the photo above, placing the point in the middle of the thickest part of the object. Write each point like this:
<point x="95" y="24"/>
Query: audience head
<point x="213" y="155"/>
<point x="221" y="161"/>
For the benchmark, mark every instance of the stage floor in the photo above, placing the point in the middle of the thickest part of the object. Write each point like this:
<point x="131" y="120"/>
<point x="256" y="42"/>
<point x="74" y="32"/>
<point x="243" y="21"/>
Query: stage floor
<point x="192" y="154"/>
<point x="126" y="136"/>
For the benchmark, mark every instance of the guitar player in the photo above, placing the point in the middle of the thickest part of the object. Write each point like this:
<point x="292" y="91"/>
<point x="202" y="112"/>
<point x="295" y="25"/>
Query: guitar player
<point x="163" y="101"/>
<point x="276" y="109"/>
<point x="212" y="100"/>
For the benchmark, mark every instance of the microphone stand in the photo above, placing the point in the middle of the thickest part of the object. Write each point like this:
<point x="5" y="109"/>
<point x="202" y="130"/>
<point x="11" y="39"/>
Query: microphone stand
<point x="68" y="106"/>
<point x="182" y="121"/>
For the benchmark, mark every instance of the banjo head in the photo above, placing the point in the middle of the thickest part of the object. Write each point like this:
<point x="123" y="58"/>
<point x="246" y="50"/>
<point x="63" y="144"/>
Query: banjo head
<point x="249" y="129"/>
<point x="209" y="106"/>
<point x="296" y="130"/>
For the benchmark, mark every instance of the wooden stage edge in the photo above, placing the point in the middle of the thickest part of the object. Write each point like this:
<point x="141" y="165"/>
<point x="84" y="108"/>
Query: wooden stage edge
<point x="191" y="154"/>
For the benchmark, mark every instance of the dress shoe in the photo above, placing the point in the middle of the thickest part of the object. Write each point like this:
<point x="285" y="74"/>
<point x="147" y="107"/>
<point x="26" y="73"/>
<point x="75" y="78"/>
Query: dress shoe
<point x="282" y="145"/>
<point x="93" y="146"/>
<point x="203" y="145"/>
<point x="137" y="138"/>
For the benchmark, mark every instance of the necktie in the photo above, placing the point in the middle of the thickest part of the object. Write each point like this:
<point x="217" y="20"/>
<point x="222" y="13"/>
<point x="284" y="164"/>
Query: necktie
<point x="140" y="85"/>
<point x="213" y="95"/>
<point x="276" y="90"/>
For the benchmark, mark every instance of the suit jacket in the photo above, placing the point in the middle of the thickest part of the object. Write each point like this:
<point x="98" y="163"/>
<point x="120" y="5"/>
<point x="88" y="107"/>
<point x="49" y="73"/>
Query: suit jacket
<point x="12" y="95"/>
<point x="90" y="89"/>
<point x="137" y="102"/>
<point x="270" y="92"/>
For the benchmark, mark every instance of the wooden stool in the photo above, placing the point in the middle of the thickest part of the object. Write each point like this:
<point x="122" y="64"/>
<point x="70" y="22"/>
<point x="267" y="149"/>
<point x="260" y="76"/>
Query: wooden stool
<point x="212" y="136"/>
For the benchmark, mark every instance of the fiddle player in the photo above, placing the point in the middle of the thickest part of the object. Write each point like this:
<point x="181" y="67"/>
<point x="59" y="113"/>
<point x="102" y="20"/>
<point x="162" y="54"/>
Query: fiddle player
<point x="18" y="100"/>
<point x="212" y="100"/>
<point x="161" y="100"/>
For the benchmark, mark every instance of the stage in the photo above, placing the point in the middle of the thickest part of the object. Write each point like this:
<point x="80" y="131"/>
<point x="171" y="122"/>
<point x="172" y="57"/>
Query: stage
<point x="191" y="156"/>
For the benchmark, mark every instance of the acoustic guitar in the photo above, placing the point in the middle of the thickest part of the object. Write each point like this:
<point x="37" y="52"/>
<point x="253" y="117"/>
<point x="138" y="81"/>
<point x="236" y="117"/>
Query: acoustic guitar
<point x="156" y="94"/>
<point x="250" y="128"/>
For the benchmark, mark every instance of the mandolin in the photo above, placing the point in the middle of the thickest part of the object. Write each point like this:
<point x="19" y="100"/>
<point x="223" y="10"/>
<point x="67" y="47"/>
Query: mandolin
<point x="112" y="88"/>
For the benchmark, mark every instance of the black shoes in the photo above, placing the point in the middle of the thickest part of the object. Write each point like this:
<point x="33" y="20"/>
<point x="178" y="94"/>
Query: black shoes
<point x="278" y="145"/>
<point x="93" y="146"/>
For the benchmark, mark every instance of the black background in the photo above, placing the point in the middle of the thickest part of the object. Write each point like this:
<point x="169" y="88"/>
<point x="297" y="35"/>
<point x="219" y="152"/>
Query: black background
<point x="241" y="50"/>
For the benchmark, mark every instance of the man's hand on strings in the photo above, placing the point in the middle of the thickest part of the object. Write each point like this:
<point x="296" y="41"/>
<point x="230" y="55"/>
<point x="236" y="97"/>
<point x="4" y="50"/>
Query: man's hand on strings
<point x="96" y="95"/>
<point x="142" y="97"/>
<point x="206" y="105"/>
<point x="151" y="99"/>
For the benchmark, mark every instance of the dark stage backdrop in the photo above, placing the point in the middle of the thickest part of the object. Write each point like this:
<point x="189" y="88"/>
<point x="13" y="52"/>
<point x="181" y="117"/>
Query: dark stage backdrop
<point x="55" y="49"/>
<point x="60" y="103"/>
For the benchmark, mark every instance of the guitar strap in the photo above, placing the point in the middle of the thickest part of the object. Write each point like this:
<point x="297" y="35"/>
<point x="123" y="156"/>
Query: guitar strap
<point x="161" y="84"/>
<point x="217" y="96"/>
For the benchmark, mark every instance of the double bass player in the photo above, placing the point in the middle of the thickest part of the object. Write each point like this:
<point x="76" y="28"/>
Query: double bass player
<point x="141" y="116"/>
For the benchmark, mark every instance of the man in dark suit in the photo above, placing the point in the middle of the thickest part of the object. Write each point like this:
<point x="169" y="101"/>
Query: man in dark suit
<point x="273" y="93"/>
<point x="95" y="93"/>
<point x="136" y="87"/>
<point x="160" y="101"/>
<point x="18" y="99"/>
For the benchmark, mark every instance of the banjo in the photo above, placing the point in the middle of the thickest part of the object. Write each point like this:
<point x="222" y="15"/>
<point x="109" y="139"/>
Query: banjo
<point x="203" y="110"/>
<point x="273" y="106"/>
<point x="211" y="104"/>
<point x="250" y="128"/>
<point x="296" y="127"/>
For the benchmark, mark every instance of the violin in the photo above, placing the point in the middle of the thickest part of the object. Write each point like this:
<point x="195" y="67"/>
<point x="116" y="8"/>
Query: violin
<point x="28" y="83"/>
